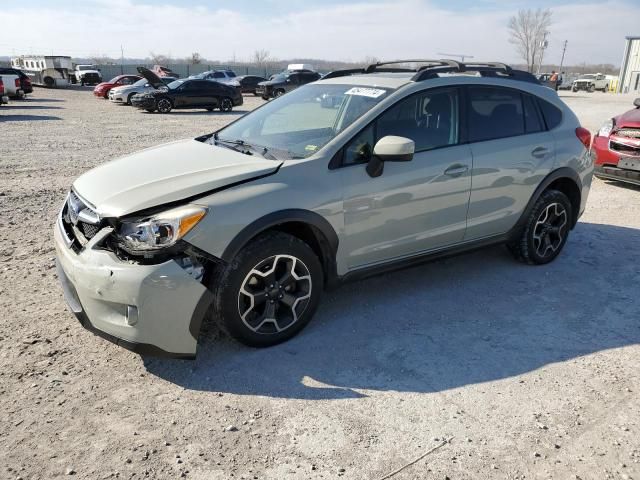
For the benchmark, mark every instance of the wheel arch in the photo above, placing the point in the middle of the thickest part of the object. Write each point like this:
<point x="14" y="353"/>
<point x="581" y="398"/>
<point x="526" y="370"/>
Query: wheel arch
<point x="564" y="180"/>
<point x="310" y="227"/>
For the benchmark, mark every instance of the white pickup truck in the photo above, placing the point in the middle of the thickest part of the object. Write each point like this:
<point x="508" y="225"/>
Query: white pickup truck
<point x="86" y="75"/>
<point x="591" y="82"/>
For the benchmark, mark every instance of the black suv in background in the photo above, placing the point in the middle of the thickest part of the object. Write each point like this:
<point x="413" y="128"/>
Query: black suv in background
<point x="249" y="83"/>
<point x="284" y="82"/>
<point x="25" y="81"/>
<point x="187" y="93"/>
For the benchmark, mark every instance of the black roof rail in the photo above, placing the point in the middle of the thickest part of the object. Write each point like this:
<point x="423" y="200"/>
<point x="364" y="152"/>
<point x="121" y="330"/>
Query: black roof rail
<point x="430" y="68"/>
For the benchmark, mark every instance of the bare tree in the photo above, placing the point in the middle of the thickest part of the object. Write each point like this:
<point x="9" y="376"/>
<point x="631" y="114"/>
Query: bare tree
<point x="103" y="60"/>
<point x="195" y="58"/>
<point x="527" y="31"/>
<point x="369" y="60"/>
<point x="160" y="59"/>
<point x="260" y="57"/>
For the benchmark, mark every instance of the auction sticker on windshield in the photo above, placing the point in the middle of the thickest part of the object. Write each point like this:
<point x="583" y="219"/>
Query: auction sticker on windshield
<point x="366" y="92"/>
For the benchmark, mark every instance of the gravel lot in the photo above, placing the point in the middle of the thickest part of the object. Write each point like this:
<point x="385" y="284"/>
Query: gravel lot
<point x="529" y="372"/>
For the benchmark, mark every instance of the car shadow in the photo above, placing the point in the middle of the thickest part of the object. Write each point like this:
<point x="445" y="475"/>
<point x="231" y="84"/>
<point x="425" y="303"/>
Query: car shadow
<point x="621" y="184"/>
<point x="16" y="106"/>
<point x="207" y="113"/>
<point x="22" y="118"/>
<point x="460" y="321"/>
<point x="30" y="99"/>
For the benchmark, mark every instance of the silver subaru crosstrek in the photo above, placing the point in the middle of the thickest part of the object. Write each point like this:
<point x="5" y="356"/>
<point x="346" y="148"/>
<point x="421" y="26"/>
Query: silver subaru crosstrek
<point x="366" y="170"/>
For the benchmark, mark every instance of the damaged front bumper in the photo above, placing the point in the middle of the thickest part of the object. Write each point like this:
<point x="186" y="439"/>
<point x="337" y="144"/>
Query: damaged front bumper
<point x="149" y="309"/>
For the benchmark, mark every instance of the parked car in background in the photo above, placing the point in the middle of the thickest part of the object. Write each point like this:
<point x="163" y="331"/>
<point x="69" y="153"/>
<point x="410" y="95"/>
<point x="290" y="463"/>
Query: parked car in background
<point x="162" y="71"/>
<point x="282" y="83"/>
<point x="25" y="81"/>
<point x="12" y="86"/>
<point x="222" y="76"/>
<point x="249" y="224"/>
<point x="125" y="93"/>
<point x="3" y="98"/>
<point x="187" y="93"/>
<point x="86" y="75"/>
<point x="591" y="82"/>
<point x="249" y="83"/>
<point x="617" y="147"/>
<point x="102" y="89"/>
<point x="566" y="82"/>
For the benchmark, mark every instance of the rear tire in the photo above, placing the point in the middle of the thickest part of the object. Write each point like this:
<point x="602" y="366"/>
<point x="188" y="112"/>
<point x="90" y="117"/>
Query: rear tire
<point x="545" y="231"/>
<point x="130" y="97"/>
<point x="269" y="291"/>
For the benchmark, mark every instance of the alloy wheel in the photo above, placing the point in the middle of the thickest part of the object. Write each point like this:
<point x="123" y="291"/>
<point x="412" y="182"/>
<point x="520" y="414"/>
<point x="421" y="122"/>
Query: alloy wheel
<point x="550" y="229"/>
<point x="164" y="106"/>
<point x="274" y="294"/>
<point x="226" y="105"/>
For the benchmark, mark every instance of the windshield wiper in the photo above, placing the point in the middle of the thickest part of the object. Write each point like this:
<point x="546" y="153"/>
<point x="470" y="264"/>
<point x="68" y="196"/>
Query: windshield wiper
<point x="264" y="151"/>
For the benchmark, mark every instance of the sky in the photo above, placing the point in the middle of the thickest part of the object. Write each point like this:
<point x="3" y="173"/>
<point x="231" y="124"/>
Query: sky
<point x="325" y="29"/>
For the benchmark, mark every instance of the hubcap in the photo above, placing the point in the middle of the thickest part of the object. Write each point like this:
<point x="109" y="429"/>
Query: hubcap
<point x="226" y="104"/>
<point x="163" y="105"/>
<point x="274" y="294"/>
<point x="549" y="230"/>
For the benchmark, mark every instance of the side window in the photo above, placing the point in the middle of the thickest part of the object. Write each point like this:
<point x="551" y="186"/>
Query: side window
<point x="532" y="120"/>
<point x="494" y="113"/>
<point x="359" y="149"/>
<point x="430" y="119"/>
<point x="218" y="75"/>
<point x="552" y="114"/>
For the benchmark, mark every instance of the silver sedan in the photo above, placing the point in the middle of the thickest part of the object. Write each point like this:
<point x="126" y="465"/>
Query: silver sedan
<point x="125" y="93"/>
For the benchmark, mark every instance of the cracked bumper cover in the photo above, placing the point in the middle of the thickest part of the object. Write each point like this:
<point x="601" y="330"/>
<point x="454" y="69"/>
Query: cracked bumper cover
<point x="149" y="309"/>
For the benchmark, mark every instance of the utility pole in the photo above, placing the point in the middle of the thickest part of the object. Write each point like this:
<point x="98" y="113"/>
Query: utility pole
<point x="121" y="60"/>
<point x="564" y="49"/>
<point x="543" y="44"/>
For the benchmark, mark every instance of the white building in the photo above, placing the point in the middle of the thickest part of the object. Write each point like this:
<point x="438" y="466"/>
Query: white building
<point x="629" y="79"/>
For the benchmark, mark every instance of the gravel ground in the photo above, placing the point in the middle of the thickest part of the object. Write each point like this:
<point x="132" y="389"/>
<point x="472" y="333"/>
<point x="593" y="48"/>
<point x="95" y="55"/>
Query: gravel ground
<point x="512" y="371"/>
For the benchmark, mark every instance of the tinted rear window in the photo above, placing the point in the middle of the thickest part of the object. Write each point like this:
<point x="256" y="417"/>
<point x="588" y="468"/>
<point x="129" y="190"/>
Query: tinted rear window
<point x="494" y="113"/>
<point x="552" y="114"/>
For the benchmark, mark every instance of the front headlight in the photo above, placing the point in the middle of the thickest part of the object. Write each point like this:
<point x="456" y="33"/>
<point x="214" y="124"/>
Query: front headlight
<point x="159" y="231"/>
<point x="605" y="129"/>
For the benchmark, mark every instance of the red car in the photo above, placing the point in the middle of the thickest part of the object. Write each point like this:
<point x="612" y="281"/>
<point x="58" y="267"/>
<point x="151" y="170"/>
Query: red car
<point x="617" y="147"/>
<point x="102" y="89"/>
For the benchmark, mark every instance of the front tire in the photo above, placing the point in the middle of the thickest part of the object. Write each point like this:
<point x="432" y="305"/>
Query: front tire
<point x="269" y="292"/>
<point x="591" y="89"/>
<point x="164" y="105"/>
<point x="546" y="230"/>
<point x="130" y="97"/>
<point x="278" y="93"/>
<point x="226" y="104"/>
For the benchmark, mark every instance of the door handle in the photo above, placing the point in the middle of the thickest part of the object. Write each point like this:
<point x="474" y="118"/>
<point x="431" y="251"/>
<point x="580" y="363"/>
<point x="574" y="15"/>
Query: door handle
<point x="540" y="152"/>
<point x="456" y="170"/>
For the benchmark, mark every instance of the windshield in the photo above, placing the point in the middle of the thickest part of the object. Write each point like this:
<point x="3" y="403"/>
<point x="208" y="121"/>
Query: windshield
<point x="279" y="77"/>
<point x="303" y="121"/>
<point x="588" y="76"/>
<point x="230" y="74"/>
<point x="175" y="84"/>
<point x="86" y="67"/>
<point x="114" y="79"/>
<point x="141" y="83"/>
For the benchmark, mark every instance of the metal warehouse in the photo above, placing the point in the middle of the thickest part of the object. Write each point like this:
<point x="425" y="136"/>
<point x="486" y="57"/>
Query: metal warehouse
<point x="630" y="68"/>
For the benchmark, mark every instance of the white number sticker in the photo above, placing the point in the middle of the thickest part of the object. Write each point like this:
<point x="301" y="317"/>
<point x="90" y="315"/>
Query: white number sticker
<point x="366" y="92"/>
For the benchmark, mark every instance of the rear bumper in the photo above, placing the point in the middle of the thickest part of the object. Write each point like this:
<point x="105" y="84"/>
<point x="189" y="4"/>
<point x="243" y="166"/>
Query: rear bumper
<point x="4" y="99"/>
<point x="149" y="309"/>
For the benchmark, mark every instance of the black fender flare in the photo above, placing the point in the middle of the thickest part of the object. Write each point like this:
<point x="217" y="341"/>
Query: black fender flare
<point x="328" y="239"/>
<point x="560" y="173"/>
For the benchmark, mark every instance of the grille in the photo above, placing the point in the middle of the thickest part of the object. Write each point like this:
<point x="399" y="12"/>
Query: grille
<point x="628" y="132"/>
<point x="621" y="147"/>
<point x="70" y="213"/>
<point x="91" y="77"/>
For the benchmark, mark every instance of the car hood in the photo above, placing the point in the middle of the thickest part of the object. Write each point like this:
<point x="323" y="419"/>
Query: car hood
<point x="152" y="78"/>
<point x="104" y="84"/>
<point x="166" y="173"/>
<point x="630" y="119"/>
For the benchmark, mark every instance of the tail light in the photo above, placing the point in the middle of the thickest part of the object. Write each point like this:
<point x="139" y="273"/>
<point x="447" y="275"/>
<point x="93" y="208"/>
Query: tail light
<point x="584" y="136"/>
<point x="27" y="81"/>
<point x="17" y="83"/>
<point x="1" y="87"/>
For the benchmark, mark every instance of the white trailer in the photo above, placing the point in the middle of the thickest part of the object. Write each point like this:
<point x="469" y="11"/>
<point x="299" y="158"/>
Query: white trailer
<point x="45" y="70"/>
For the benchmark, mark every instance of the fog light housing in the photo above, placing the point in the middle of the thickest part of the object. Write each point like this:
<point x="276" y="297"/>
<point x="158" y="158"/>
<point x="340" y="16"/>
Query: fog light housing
<point x="132" y="315"/>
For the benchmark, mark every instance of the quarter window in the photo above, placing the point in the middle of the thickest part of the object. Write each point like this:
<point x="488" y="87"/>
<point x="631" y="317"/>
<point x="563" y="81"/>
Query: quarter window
<point x="494" y="113"/>
<point x="552" y="114"/>
<point x="532" y="120"/>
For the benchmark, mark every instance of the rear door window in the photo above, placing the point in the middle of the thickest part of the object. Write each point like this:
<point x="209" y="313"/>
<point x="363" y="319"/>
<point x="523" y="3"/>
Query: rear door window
<point x="494" y="113"/>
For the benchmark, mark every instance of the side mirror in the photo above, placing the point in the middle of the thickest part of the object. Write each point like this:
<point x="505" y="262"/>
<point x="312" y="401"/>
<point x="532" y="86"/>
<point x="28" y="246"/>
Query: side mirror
<point x="636" y="102"/>
<point x="390" y="149"/>
<point x="394" y="149"/>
